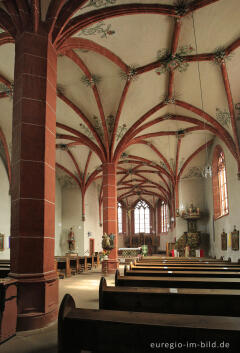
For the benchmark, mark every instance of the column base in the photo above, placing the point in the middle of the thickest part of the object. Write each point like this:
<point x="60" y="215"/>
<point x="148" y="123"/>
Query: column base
<point x="109" y="266"/>
<point x="37" y="300"/>
<point x="33" y="321"/>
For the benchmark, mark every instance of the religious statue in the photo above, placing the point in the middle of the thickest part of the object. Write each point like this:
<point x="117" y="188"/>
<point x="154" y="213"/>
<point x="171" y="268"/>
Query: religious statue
<point x="71" y="240"/>
<point x="108" y="241"/>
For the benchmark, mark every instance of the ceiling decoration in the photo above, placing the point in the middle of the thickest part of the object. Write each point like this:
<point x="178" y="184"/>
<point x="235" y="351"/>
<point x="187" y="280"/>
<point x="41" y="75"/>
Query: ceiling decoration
<point x="130" y="74"/>
<point x="130" y="115"/>
<point x="99" y="29"/>
<point x="170" y="62"/>
<point x="194" y="172"/>
<point x="100" y="3"/>
<point x="221" y="56"/>
<point x="8" y="90"/>
<point x="91" y="81"/>
<point x="223" y="117"/>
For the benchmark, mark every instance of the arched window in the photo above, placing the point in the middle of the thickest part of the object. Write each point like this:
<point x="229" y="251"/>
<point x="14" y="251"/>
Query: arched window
<point x="120" y="214"/>
<point x="220" y="195"/>
<point x="142" y="217"/>
<point x="164" y="217"/>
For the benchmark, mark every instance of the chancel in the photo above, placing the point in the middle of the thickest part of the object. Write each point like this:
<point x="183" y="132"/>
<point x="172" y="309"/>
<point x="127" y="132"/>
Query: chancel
<point x="119" y="158"/>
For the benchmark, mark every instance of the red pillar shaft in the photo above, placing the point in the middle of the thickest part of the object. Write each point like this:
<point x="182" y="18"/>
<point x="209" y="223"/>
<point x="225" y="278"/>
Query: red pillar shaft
<point x="110" y="210"/>
<point x="33" y="181"/>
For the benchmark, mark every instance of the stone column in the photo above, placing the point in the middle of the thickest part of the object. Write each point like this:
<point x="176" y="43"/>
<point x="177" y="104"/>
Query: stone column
<point x="110" y="211"/>
<point x="33" y="181"/>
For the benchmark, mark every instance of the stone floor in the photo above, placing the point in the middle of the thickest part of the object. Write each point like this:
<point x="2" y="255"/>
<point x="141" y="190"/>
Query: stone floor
<point x="84" y="290"/>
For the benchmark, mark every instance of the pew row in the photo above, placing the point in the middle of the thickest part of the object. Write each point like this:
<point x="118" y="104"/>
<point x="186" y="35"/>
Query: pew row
<point x="111" y="331"/>
<point x="177" y="282"/>
<point x="184" y="267"/>
<point x="193" y="265"/>
<point x="186" y="273"/>
<point x="172" y="301"/>
<point x="68" y="265"/>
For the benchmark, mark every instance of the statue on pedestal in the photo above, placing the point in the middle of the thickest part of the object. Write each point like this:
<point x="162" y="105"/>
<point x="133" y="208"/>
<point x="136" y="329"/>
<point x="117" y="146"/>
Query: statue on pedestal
<point x="71" y="240"/>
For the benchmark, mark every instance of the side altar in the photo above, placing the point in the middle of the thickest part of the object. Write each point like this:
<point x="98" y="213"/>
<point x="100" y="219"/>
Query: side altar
<point x="193" y="242"/>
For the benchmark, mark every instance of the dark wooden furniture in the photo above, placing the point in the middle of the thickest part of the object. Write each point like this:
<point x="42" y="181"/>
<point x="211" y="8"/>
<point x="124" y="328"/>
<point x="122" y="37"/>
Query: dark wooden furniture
<point x="63" y="265"/>
<point x="177" y="282"/>
<point x="184" y="267"/>
<point x="8" y="308"/>
<point x="111" y="331"/>
<point x="184" y="273"/>
<point x="165" y="300"/>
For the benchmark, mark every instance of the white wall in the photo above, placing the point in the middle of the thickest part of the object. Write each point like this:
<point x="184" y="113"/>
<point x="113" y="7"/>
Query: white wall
<point x="58" y="218"/>
<point x="91" y="224"/>
<point x="72" y="217"/>
<point x="226" y="222"/>
<point x="5" y="210"/>
<point x="191" y="190"/>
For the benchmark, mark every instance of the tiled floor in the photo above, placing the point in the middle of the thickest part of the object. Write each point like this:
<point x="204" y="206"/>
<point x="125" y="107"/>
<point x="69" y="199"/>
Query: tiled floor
<point x="84" y="290"/>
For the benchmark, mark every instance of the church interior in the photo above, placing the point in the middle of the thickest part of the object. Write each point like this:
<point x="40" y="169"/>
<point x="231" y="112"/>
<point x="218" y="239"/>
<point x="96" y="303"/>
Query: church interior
<point x="119" y="158"/>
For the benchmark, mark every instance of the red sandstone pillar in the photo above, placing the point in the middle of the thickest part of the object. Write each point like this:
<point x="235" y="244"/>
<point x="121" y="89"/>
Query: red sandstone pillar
<point x="110" y="210"/>
<point x="33" y="181"/>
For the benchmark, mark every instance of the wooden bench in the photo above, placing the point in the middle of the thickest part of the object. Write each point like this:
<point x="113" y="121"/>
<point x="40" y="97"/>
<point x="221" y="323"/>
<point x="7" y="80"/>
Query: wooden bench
<point x="111" y="331"/>
<point x="186" y="273"/>
<point x="177" y="282"/>
<point x="63" y="265"/>
<point x="152" y="264"/>
<point x="184" y="268"/>
<point x="4" y="271"/>
<point x="166" y="300"/>
<point x="8" y="308"/>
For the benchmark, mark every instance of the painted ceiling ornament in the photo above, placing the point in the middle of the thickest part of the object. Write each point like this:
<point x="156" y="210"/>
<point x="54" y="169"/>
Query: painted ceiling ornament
<point x="92" y="81"/>
<point x="66" y="181"/>
<point x="223" y="117"/>
<point x="86" y="131"/>
<point x="180" y="7"/>
<point x="110" y="123"/>
<point x="131" y="74"/>
<point x="124" y="155"/>
<point x="62" y="147"/>
<point x="220" y="56"/>
<point x="169" y="100"/>
<point x="100" y="28"/>
<point x="194" y="172"/>
<point x="169" y="62"/>
<point x="121" y="131"/>
<point x="60" y="89"/>
<point x="6" y="89"/>
<point x="180" y="133"/>
<point x="168" y="116"/>
<point x="237" y="107"/>
<point x="98" y="126"/>
<point x="163" y="165"/>
<point x="100" y="3"/>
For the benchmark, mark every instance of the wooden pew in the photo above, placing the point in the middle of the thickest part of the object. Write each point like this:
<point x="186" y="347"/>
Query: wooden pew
<point x="4" y="268"/>
<point x="177" y="282"/>
<point x="8" y="308"/>
<point x="184" y="273"/>
<point x="181" y="259"/>
<point x="63" y="265"/>
<point x="152" y="264"/>
<point x="165" y="300"/>
<point x="111" y="331"/>
<point x="184" y="268"/>
<point x="82" y="263"/>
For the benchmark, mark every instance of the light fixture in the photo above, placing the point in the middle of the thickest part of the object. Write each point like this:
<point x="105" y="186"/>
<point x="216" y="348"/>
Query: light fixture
<point x="207" y="171"/>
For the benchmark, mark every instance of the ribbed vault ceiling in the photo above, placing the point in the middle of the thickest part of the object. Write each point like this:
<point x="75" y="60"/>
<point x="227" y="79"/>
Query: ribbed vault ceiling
<point x="144" y="83"/>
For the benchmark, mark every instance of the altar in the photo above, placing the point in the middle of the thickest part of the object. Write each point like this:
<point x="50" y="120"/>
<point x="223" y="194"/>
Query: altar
<point x="128" y="254"/>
